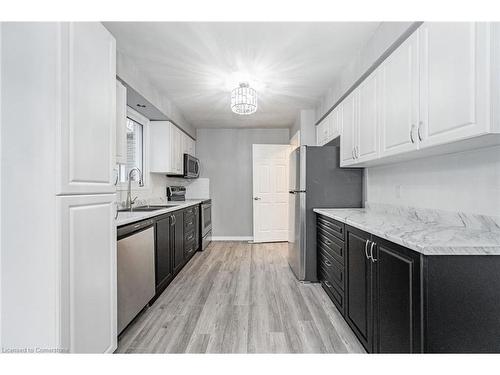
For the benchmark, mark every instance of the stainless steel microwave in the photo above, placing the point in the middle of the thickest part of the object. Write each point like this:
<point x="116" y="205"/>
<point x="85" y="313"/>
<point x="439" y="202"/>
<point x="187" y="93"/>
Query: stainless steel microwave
<point x="191" y="166"/>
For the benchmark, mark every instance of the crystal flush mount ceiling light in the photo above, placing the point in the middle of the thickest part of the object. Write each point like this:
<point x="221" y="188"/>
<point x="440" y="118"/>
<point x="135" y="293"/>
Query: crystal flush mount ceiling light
<point x="243" y="99"/>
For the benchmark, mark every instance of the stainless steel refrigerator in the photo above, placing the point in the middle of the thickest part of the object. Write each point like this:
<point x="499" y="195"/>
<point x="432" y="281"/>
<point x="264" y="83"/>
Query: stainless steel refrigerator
<point x="316" y="181"/>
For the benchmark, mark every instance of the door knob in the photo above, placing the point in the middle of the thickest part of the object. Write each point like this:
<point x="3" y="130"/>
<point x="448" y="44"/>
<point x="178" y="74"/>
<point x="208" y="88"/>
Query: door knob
<point x="256" y="199"/>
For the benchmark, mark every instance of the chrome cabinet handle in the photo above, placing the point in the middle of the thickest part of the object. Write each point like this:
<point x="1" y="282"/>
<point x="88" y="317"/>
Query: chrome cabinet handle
<point x="371" y="253"/>
<point x="328" y="242"/>
<point x="172" y="222"/>
<point x="327" y="262"/>
<point x="327" y="283"/>
<point x="256" y="199"/>
<point x="366" y="249"/>
<point x="411" y="134"/>
<point x="418" y="130"/>
<point x="116" y="175"/>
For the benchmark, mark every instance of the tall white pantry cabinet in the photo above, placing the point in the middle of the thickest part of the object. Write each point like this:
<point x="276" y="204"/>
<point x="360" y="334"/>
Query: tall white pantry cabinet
<point x="58" y="193"/>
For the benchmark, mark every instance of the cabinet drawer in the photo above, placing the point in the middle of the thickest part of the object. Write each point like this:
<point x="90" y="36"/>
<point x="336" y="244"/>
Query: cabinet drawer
<point x="189" y="249"/>
<point x="330" y="226"/>
<point x="189" y="223"/>
<point x="331" y="269"/>
<point x="331" y="244"/>
<point x="188" y="212"/>
<point x="337" y="297"/>
<point x="189" y="236"/>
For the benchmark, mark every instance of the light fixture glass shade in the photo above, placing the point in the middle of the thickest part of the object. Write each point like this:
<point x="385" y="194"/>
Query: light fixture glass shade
<point x="244" y="100"/>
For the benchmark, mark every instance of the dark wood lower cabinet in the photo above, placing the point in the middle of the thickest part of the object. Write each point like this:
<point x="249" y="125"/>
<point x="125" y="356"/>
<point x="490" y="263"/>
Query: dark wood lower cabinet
<point x="163" y="253"/>
<point x="396" y="298"/>
<point x="400" y="301"/>
<point x="177" y="240"/>
<point x="462" y="304"/>
<point x="175" y="243"/>
<point x="359" y="287"/>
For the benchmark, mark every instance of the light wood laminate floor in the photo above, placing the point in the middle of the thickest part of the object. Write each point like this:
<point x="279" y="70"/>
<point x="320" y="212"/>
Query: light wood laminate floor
<point x="237" y="297"/>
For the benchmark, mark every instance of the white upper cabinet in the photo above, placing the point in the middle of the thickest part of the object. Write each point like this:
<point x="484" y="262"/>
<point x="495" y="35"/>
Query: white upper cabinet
<point x="454" y="81"/>
<point x="191" y="146"/>
<point x="335" y="122"/>
<point x="188" y="145"/>
<point x="177" y="149"/>
<point x="319" y="140"/>
<point x="398" y="77"/>
<point x="88" y="109"/>
<point x="121" y="123"/>
<point x="350" y="117"/>
<point x="167" y="148"/>
<point x="366" y="144"/>
<point x="321" y="133"/>
<point x="329" y="128"/>
<point x="439" y="87"/>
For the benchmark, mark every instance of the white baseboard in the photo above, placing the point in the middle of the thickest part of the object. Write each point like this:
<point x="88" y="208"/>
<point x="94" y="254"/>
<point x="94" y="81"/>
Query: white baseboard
<point x="232" y="238"/>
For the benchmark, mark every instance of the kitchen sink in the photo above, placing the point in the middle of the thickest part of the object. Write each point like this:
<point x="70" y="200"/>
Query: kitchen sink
<point x="148" y="208"/>
<point x="141" y="209"/>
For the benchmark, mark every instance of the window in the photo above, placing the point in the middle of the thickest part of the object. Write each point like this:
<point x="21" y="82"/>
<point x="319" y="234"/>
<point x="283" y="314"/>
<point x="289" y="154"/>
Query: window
<point x="135" y="151"/>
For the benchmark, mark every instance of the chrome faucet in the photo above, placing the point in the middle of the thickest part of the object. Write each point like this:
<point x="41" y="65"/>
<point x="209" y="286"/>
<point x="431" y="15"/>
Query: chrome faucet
<point x="131" y="201"/>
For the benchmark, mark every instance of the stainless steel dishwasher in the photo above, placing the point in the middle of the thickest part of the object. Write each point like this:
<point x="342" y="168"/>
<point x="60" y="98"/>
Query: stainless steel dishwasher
<point x="136" y="270"/>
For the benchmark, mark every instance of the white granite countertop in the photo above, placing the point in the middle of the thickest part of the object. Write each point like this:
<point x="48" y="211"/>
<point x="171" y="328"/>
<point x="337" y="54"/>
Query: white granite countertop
<point x="131" y="217"/>
<point x="430" y="232"/>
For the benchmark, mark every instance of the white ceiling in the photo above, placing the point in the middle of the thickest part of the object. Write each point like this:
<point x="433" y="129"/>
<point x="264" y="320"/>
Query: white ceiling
<point x="191" y="63"/>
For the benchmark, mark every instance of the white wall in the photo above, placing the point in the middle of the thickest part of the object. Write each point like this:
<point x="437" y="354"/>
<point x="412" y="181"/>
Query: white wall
<point x="226" y="159"/>
<point x="128" y="72"/>
<point x="466" y="182"/>
<point x="28" y="171"/>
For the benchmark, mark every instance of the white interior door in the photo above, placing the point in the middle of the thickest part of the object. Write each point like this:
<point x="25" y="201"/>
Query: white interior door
<point x="270" y="192"/>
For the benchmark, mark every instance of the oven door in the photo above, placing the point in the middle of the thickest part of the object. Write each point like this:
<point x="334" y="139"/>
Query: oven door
<point x="191" y="166"/>
<point x="206" y="218"/>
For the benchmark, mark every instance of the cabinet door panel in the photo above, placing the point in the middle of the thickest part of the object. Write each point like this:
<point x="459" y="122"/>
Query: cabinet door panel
<point x="359" y="287"/>
<point x="197" y="228"/>
<point x="88" y="278"/>
<point x="368" y="119"/>
<point x="88" y="109"/>
<point x="163" y="264"/>
<point x="349" y="123"/>
<point x="399" y="99"/>
<point x="335" y="123"/>
<point x="161" y="148"/>
<point x="176" y="146"/>
<point x="178" y="240"/>
<point x="397" y="296"/>
<point x="454" y="81"/>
